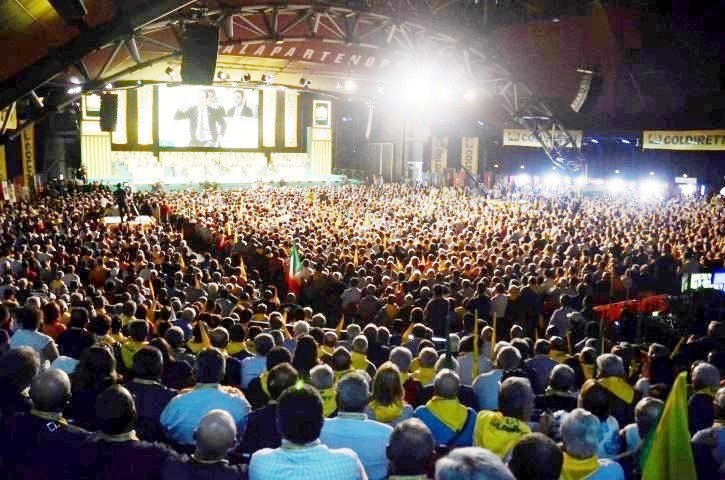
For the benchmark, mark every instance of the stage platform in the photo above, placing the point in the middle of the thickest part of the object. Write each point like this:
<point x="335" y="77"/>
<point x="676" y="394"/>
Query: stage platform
<point x="141" y="220"/>
<point x="175" y="184"/>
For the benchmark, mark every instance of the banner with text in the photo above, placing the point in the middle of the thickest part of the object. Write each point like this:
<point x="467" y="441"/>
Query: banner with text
<point x="684" y="140"/>
<point x="27" y="148"/>
<point x="12" y="121"/>
<point x="440" y="154"/>
<point x="469" y="154"/>
<point x="3" y="164"/>
<point x="519" y="137"/>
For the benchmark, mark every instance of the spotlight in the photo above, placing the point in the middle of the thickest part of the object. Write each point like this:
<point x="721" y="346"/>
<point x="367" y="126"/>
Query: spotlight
<point x="522" y="167"/>
<point x="469" y="95"/>
<point x="495" y="165"/>
<point x="650" y="190"/>
<point x="246" y="78"/>
<point x="109" y="86"/>
<point x="521" y="179"/>
<point x="75" y="79"/>
<point x="625" y="141"/>
<point x="350" y="85"/>
<point x="339" y="86"/>
<point x="617" y="171"/>
<point x="171" y="72"/>
<point x="595" y="141"/>
<point x="380" y="90"/>
<point x="74" y="90"/>
<point x="615" y="185"/>
<point x="304" y="83"/>
<point x="267" y="78"/>
<point x="224" y="76"/>
<point x="552" y="180"/>
<point x="481" y="123"/>
<point x="684" y="175"/>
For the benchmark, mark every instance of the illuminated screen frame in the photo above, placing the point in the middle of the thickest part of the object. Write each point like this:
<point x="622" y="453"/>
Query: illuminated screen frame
<point x="158" y="120"/>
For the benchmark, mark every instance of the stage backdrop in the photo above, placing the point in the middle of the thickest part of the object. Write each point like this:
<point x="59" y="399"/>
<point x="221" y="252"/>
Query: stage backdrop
<point x="213" y="117"/>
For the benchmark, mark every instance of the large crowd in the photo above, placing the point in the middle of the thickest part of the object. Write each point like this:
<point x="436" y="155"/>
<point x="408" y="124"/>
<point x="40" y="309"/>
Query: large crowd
<point x="349" y="332"/>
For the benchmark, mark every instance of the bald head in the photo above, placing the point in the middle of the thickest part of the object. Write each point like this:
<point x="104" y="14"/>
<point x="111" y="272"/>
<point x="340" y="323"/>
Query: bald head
<point x="50" y="390"/>
<point x="215" y="435"/>
<point x="447" y="384"/>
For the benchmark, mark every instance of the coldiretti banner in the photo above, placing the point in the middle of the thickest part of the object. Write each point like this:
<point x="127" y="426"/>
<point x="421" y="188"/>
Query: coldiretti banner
<point x="684" y="140"/>
<point x="3" y="164"/>
<point x="518" y="137"/>
<point x="440" y="154"/>
<point x="27" y="149"/>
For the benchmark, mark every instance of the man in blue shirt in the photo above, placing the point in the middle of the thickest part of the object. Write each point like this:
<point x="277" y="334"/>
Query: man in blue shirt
<point x="252" y="367"/>
<point x="302" y="455"/>
<point x="183" y="413"/>
<point x="352" y="429"/>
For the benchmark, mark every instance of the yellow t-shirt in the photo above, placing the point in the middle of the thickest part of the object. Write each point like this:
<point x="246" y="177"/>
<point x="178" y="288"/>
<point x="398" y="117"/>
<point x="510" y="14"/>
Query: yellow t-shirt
<point x="498" y="433"/>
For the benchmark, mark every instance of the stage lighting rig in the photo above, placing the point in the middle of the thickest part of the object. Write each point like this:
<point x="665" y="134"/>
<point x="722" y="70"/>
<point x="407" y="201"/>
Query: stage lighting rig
<point x="304" y="83"/>
<point x="350" y="85"/>
<point x="223" y="76"/>
<point x="246" y="78"/>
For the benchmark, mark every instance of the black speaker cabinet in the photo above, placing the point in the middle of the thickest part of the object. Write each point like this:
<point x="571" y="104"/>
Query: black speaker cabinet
<point x="199" y="52"/>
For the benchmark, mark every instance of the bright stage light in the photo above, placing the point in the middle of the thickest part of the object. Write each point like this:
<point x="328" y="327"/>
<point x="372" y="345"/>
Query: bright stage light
<point x="651" y="190"/>
<point x="444" y="93"/>
<point x="581" y="180"/>
<point x="74" y="90"/>
<point x="595" y="141"/>
<point x="522" y="179"/>
<point x="522" y="167"/>
<point x="350" y="85"/>
<point x="688" y="189"/>
<point x="651" y="173"/>
<point x="469" y="95"/>
<point x="617" y="172"/>
<point x="552" y="180"/>
<point x="267" y="78"/>
<point x="109" y="86"/>
<point x="304" y="83"/>
<point x="221" y="75"/>
<point x="615" y="185"/>
<point x="246" y="78"/>
<point x="380" y="90"/>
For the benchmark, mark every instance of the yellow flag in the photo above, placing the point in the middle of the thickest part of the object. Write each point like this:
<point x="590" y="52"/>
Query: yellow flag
<point x="206" y="343"/>
<point x="243" y="268"/>
<point x="667" y="453"/>
<point x="355" y="259"/>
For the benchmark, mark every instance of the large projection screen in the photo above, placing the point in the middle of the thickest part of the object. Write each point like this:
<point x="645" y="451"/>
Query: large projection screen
<point x="229" y="117"/>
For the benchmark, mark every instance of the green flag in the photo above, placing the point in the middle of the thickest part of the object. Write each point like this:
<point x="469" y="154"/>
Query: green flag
<point x="667" y="453"/>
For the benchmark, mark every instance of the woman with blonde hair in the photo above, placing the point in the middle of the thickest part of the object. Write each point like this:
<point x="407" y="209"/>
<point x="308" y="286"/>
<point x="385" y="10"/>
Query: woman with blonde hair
<point x="386" y="404"/>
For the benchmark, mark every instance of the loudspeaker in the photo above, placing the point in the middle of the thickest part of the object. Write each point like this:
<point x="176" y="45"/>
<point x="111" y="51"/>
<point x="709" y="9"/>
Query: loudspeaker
<point x="589" y="88"/>
<point x="109" y="112"/>
<point x="198" y="54"/>
<point x="71" y="11"/>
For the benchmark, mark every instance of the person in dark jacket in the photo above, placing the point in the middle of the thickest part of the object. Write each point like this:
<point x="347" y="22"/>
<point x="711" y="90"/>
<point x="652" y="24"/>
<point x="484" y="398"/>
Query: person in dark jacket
<point x="41" y="444"/>
<point x="73" y="342"/>
<point x="215" y="436"/>
<point x="150" y="396"/>
<point x="261" y="431"/>
<point x="17" y="369"/>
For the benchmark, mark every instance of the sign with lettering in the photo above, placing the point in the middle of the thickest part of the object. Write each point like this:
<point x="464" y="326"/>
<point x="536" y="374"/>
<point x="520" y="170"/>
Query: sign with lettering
<point x="440" y="154"/>
<point x="684" y="140"/>
<point x="27" y="149"/>
<point x="519" y="137"/>
<point x="469" y="154"/>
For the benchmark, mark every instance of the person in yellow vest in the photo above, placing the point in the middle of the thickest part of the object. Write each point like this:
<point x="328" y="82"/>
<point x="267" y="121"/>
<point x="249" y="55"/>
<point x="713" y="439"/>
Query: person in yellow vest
<point x="499" y="431"/>
<point x="387" y="404"/>
<point x="323" y="379"/>
<point x="451" y="422"/>
<point x="327" y="347"/>
<point x="558" y="351"/>
<point x="138" y="330"/>
<point x="587" y="358"/>
<point x="358" y="356"/>
<point x="580" y="435"/>
<point x="128" y="313"/>
<point x="426" y="372"/>
<point x="341" y="363"/>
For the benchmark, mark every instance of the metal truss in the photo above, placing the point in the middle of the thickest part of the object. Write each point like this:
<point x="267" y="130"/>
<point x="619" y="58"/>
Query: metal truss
<point x="430" y="31"/>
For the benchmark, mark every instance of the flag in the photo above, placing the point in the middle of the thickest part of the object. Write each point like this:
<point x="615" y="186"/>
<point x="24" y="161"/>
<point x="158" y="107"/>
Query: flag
<point x="400" y="266"/>
<point x="355" y="260"/>
<point x="667" y="452"/>
<point x="243" y="268"/>
<point x="295" y="266"/>
<point x="203" y="329"/>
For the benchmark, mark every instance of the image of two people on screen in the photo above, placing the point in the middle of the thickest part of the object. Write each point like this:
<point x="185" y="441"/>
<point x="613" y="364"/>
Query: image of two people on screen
<point x="210" y="123"/>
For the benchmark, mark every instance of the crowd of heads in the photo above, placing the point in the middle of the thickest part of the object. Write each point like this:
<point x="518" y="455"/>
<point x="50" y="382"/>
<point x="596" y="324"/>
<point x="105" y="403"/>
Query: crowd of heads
<point x="385" y="330"/>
